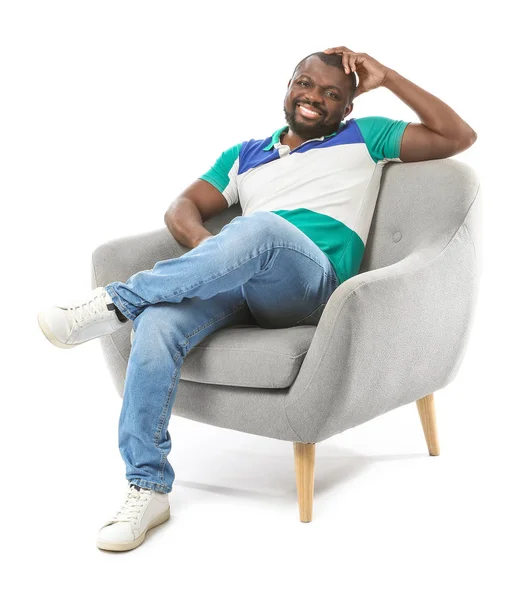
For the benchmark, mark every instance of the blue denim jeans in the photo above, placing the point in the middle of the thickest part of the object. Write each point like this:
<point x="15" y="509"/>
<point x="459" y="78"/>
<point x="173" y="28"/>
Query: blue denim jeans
<point x="259" y="269"/>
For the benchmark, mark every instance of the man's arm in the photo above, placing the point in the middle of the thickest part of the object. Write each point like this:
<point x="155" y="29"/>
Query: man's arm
<point x="185" y="223"/>
<point x="442" y="133"/>
<point x="185" y="216"/>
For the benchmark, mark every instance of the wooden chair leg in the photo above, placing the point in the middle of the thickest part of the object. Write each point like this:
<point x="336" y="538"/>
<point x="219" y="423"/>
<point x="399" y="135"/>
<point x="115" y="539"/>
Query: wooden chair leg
<point x="304" y="462"/>
<point x="428" y="422"/>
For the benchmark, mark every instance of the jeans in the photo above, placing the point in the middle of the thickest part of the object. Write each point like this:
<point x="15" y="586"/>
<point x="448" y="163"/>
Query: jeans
<point x="259" y="269"/>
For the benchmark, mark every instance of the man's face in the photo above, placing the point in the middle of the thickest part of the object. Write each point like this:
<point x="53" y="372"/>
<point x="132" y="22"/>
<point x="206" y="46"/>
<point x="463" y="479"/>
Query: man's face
<point x="318" y="87"/>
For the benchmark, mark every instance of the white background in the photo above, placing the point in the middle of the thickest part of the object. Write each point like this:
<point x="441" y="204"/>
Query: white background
<point x="108" y="111"/>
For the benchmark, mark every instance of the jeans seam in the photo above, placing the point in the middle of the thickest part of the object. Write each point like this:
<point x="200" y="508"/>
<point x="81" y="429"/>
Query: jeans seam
<point x="162" y="417"/>
<point x="310" y="314"/>
<point x="236" y="308"/>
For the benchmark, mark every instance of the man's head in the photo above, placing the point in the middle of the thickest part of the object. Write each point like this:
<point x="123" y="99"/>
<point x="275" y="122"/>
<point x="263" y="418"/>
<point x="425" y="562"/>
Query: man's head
<point x="320" y="83"/>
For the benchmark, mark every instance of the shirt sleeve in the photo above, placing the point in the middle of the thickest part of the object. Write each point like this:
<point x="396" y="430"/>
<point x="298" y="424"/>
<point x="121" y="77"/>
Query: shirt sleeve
<point x="382" y="137"/>
<point x="223" y="174"/>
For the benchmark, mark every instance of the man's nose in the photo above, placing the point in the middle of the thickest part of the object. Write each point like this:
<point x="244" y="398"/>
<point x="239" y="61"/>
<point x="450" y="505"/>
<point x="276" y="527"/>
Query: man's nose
<point x="315" y="99"/>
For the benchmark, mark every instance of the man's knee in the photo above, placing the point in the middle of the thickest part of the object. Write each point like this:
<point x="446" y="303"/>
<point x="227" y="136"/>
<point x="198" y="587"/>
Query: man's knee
<point x="266" y="222"/>
<point x="250" y="230"/>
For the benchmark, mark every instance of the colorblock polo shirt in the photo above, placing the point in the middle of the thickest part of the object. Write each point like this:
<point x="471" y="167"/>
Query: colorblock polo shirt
<point x="327" y="187"/>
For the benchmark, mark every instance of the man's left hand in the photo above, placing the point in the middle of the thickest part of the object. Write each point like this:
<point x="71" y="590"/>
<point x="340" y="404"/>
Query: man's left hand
<point x="371" y="74"/>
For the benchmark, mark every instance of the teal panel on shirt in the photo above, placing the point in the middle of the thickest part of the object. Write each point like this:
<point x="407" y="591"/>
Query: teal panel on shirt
<point x="382" y="136"/>
<point x="217" y="175"/>
<point x="342" y="245"/>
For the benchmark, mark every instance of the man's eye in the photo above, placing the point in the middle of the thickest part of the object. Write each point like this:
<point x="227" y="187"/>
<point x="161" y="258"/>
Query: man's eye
<point x="308" y="83"/>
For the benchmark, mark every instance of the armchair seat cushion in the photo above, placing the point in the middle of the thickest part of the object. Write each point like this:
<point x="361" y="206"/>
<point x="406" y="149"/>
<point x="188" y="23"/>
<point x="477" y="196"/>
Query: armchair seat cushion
<point x="249" y="356"/>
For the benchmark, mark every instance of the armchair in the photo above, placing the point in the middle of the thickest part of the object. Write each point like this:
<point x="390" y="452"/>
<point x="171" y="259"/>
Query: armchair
<point x="393" y="334"/>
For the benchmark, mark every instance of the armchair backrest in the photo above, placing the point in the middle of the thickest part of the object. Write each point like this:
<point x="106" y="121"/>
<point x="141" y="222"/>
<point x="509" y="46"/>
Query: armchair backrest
<point x="420" y="204"/>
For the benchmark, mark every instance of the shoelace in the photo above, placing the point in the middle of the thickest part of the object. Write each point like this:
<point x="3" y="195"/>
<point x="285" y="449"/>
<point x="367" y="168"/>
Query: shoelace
<point x="132" y="505"/>
<point x="80" y="312"/>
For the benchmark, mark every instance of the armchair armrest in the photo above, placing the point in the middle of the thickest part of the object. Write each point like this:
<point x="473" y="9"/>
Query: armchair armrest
<point x="118" y="259"/>
<point x="387" y="337"/>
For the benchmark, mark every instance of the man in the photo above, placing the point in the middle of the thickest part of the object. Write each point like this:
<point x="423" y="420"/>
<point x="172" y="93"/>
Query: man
<point x="307" y="194"/>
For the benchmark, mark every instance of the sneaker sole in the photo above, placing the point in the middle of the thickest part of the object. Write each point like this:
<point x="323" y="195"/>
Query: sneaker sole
<point x="49" y="335"/>
<point x="119" y="547"/>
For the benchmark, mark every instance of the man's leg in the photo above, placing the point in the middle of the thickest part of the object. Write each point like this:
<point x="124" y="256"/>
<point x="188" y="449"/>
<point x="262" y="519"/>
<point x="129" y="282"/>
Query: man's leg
<point x="285" y="278"/>
<point x="164" y="335"/>
<point x="284" y="274"/>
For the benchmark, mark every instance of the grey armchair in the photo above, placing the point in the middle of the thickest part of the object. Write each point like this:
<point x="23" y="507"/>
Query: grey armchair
<point x="393" y="334"/>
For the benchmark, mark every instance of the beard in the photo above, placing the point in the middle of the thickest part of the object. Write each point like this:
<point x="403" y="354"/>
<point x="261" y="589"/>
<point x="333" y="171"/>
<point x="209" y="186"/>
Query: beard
<point x="308" y="129"/>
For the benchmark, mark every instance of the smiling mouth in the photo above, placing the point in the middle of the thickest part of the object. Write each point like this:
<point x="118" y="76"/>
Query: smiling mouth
<point x="308" y="113"/>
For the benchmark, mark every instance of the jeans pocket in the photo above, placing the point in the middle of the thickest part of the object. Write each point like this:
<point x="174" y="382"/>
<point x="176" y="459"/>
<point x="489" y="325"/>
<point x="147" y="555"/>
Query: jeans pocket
<point x="313" y="318"/>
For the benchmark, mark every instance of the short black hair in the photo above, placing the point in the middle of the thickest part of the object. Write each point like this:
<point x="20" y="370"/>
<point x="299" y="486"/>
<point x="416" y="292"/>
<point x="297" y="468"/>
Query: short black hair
<point x="333" y="60"/>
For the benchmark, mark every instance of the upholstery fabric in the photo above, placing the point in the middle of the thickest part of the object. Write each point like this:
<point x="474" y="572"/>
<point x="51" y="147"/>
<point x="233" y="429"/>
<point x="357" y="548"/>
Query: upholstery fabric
<point x="388" y="336"/>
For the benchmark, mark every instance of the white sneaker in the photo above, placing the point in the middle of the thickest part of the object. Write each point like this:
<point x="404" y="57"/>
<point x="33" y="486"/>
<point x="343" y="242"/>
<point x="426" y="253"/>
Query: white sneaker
<point x="91" y="317"/>
<point x="142" y="510"/>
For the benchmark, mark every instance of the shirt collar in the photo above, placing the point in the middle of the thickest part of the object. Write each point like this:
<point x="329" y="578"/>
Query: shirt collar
<point x="275" y="138"/>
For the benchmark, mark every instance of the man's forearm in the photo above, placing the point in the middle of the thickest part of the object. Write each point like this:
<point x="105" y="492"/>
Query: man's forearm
<point x="433" y="112"/>
<point x="184" y="222"/>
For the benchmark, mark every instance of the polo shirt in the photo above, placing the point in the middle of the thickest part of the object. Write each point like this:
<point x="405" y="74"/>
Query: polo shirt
<point x="327" y="187"/>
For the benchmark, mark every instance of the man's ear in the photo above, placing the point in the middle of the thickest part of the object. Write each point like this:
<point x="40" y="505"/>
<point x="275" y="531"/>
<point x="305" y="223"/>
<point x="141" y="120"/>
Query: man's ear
<point x="348" y="110"/>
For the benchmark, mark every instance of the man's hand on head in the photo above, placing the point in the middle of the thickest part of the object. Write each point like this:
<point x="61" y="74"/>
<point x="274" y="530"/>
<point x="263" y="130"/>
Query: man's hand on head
<point x="441" y="132"/>
<point x="371" y="73"/>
